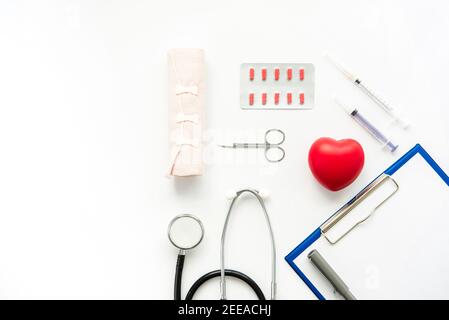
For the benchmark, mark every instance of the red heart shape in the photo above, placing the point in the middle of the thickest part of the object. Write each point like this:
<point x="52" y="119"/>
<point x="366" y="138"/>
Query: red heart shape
<point x="336" y="164"/>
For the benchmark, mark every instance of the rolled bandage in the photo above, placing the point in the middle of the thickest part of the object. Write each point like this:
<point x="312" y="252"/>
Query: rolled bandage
<point x="186" y="107"/>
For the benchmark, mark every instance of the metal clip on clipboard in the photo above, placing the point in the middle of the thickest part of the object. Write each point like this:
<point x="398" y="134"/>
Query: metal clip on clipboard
<point x="360" y="197"/>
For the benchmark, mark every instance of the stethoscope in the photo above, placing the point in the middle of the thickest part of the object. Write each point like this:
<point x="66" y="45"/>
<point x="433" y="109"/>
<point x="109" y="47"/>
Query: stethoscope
<point x="186" y="232"/>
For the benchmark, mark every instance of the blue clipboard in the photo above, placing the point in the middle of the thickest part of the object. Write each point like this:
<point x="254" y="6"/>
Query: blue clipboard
<point x="312" y="239"/>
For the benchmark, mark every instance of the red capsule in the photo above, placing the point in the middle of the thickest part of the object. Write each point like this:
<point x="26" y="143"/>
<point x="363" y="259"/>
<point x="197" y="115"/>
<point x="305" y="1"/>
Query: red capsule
<point x="251" y="74"/>
<point x="264" y="98"/>
<point x="301" y="74"/>
<point x="289" y="74"/>
<point x="289" y="98"/>
<point x="277" y="73"/>
<point x="301" y="98"/>
<point x="276" y="97"/>
<point x="264" y="74"/>
<point x="251" y="99"/>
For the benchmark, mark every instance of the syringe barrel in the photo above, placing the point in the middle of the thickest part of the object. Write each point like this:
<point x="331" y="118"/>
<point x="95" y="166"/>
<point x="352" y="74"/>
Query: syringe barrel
<point x="375" y="98"/>
<point x="382" y="103"/>
<point x="379" y="136"/>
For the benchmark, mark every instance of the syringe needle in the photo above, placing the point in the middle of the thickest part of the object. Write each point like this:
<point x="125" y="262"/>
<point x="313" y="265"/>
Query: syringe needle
<point x="342" y="69"/>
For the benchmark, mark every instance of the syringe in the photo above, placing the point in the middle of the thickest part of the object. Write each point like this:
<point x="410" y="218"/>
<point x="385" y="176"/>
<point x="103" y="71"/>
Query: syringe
<point x="355" y="114"/>
<point x="373" y="96"/>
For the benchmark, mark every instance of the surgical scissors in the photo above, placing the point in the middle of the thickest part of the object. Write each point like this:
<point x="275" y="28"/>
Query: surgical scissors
<point x="271" y="143"/>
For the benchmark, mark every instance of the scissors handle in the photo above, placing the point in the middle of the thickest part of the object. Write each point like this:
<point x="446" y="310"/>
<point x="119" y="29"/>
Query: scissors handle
<point x="274" y="137"/>
<point x="280" y="154"/>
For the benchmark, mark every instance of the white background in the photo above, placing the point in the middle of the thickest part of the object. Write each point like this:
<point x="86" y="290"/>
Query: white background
<point x="84" y="200"/>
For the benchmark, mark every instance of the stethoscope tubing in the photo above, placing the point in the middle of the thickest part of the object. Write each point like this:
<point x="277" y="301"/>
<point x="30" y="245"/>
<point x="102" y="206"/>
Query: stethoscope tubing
<point x="222" y="272"/>
<point x="208" y="276"/>
<point x="178" y="275"/>
<point x="229" y="273"/>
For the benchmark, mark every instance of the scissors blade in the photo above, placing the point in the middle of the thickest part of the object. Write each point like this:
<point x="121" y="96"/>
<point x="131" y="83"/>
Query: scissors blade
<point x="246" y="146"/>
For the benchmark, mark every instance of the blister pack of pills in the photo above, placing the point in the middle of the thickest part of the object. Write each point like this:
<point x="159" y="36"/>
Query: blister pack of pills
<point x="277" y="86"/>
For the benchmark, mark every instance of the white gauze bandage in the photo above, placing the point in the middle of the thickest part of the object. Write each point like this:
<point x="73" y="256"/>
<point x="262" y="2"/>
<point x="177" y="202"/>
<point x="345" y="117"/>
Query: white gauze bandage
<point x="186" y="107"/>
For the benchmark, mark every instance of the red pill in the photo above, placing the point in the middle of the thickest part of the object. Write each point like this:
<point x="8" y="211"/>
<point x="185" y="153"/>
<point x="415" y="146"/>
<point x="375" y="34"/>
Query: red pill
<point x="289" y="98"/>
<point x="251" y="99"/>
<point x="264" y="98"/>
<point x="301" y="98"/>
<point x="264" y="74"/>
<point x="289" y="73"/>
<point x="301" y="74"/>
<point x="251" y="74"/>
<point x="277" y="72"/>
<point x="276" y="98"/>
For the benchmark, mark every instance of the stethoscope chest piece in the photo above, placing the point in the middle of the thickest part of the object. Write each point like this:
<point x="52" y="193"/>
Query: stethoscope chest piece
<point x="185" y="232"/>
